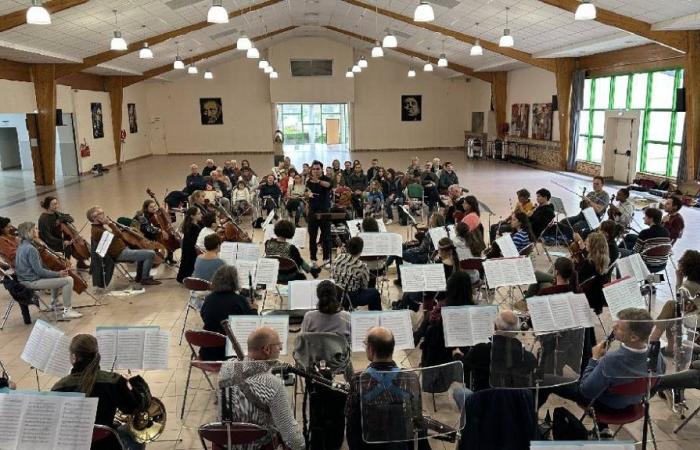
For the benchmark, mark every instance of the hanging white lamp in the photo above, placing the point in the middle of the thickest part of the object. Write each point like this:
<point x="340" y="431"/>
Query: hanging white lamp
<point x="424" y="12"/>
<point x="585" y="11"/>
<point x="37" y="14"/>
<point x="217" y="13"/>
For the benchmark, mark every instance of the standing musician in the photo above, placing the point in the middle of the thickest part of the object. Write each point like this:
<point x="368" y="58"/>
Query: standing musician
<point x="597" y="199"/>
<point x="623" y="212"/>
<point x="251" y="393"/>
<point x="318" y="192"/>
<point x="148" y="225"/>
<point x="50" y="230"/>
<point x="118" y="249"/>
<point x="188" y="251"/>
<point x="31" y="273"/>
<point x="112" y="390"/>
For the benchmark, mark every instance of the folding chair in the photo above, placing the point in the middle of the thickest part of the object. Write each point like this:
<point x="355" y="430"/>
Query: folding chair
<point x="661" y="251"/>
<point x="231" y="435"/>
<point x="201" y="339"/>
<point x="415" y="199"/>
<point x="287" y="267"/>
<point x="101" y="433"/>
<point x="378" y="272"/>
<point x="196" y="286"/>
<point x="478" y="265"/>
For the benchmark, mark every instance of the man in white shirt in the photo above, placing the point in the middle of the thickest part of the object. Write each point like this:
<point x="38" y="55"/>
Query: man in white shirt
<point x="623" y="212"/>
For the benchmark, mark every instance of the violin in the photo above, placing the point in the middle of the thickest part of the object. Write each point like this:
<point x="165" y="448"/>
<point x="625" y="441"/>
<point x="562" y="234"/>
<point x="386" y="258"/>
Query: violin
<point x="173" y="242"/>
<point x="576" y="251"/>
<point x="134" y="239"/>
<point x="230" y="231"/>
<point x="81" y="249"/>
<point x="56" y="262"/>
<point x="613" y="211"/>
<point x="584" y="203"/>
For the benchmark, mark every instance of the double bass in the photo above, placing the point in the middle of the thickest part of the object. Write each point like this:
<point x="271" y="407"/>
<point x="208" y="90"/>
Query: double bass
<point x="173" y="242"/>
<point x="134" y="239"/>
<point x="56" y="262"/>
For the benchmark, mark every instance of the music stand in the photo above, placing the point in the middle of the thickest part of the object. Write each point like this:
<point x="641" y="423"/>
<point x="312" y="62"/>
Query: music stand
<point x="410" y="221"/>
<point x="391" y="404"/>
<point x="329" y="216"/>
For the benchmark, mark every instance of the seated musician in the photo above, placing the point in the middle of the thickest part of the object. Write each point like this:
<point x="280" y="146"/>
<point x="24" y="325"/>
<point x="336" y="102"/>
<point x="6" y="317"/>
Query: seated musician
<point x="352" y="275"/>
<point x="118" y="250"/>
<point x="521" y="234"/>
<point x="456" y="203"/>
<point x="688" y="277"/>
<point x="9" y="241"/>
<point x="50" y="231"/>
<point x="208" y="226"/>
<point x="419" y="254"/>
<point x="209" y="167"/>
<point x="623" y="212"/>
<point x="611" y="230"/>
<point x="112" y="390"/>
<point x="199" y="199"/>
<point x="650" y="237"/>
<point x="562" y="280"/>
<point x="149" y="227"/>
<point x="472" y="212"/>
<point x="32" y="274"/>
<point x="595" y="264"/>
<point x="295" y="197"/>
<point x="524" y="204"/>
<point x="270" y="195"/>
<point x="543" y="213"/>
<point x="240" y="198"/>
<point x="379" y="348"/>
<point x="673" y="221"/>
<point x="448" y="177"/>
<point x="195" y="181"/>
<point x="223" y="301"/>
<point x="357" y="182"/>
<point x="251" y="393"/>
<point x="605" y="370"/>
<point x="278" y="246"/>
<point x="469" y="244"/>
<point x="597" y="199"/>
<point x="329" y="316"/>
<point x="208" y="262"/>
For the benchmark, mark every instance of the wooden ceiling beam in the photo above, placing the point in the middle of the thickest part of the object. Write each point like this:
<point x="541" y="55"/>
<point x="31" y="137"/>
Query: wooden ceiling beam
<point x="129" y="80"/>
<point x="18" y="18"/>
<point x="101" y="58"/>
<point x="677" y="40"/>
<point x="486" y="76"/>
<point x="518" y="55"/>
<point x="632" y="59"/>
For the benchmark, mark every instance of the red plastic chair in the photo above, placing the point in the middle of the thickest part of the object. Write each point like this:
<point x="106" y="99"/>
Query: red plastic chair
<point x="661" y="251"/>
<point x="101" y="433"/>
<point x="227" y="435"/>
<point x="478" y="265"/>
<point x="198" y="339"/>
<point x="195" y="285"/>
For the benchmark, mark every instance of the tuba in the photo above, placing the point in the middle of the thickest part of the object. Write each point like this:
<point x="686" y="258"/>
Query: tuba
<point x="147" y="423"/>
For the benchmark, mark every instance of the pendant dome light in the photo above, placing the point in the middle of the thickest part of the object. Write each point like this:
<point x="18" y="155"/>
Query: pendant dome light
<point x="37" y="14"/>
<point x="208" y="75"/>
<point x="442" y="61"/>
<point x="411" y="72"/>
<point x="349" y="73"/>
<point x="178" y="64"/>
<point x="585" y="11"/>
<point x="507" y="39"/>
<point x="145" y="52"/>
<point x="269" y="69"/>
<point x="274" y="75"/>
<point x="389" y="40"/>
<point x="117" y="43"/>
<point x="356" y="69"/>
<point x="424" y="12"/>
<point x="377" y="50"/>
<point x="243" y="43"/>
<point x="217" y="13"/>
<point x="428" y="67"/>
<point x="362" y="63"/>
<point x="476" y="49"/>
<point x="262" y="64"/>
<point x="192" y="70"/>
<point x="252" y="53"/>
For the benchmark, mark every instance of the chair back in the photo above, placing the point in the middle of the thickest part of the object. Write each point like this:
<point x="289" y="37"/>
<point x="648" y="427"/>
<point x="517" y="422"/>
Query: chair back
<point x="527" y="250"/>
<point x="332" y="348"/>
<point x="658" y="251"/>
<point x="102" y="432"/>
<point x="287" y="266"/>
<point x="204" y="339"/>
<point x="472" y="264"/>
<point x="196" y="284"/>
<point x="638" y="386"/>
<point x="586" y="284"/>
<point x="226" y="435"/>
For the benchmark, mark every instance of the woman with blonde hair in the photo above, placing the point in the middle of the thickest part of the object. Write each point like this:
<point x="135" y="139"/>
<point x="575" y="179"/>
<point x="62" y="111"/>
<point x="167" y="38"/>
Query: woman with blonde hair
<point x="595" y="265"/>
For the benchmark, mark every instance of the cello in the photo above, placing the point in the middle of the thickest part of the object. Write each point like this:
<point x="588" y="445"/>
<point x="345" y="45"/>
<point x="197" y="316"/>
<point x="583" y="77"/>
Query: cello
<point x="230" y="231"/>
<point x="54" y="261"/>
<point x="81" y="249"/>
<point x="173" y="242"/>
<point x="136" y="240"/>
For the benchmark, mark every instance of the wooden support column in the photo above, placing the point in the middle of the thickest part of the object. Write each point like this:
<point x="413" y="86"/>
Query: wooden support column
<point x="115" y="88"/>
<point x="692" y="104"/>
<point x="43" y="76"/>
<point x="499" y="96"/>
<point x="564" y="76"/>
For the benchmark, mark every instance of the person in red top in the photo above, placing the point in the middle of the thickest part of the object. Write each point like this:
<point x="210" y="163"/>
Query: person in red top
<point x="673" y="221"/>
<point x="8" y="242"/>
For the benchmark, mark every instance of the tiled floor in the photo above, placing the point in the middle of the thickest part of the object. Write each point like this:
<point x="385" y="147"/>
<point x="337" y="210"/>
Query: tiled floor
<point x="121" y="192"/>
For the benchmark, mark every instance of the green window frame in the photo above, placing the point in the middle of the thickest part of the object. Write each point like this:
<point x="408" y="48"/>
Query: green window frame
<point x="309" y="119"/>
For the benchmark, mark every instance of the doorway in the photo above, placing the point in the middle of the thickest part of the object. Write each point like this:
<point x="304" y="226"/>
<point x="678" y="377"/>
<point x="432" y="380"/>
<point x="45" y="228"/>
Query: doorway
<point x="621" y="144"/>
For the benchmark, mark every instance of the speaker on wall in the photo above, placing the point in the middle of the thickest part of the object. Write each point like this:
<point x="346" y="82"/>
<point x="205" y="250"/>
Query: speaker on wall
<point x="59" y="117"/>
<point x="555" y="103"/>
<point x="680" y="99"/>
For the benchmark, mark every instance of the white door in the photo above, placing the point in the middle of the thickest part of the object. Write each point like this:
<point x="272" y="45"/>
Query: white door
<point x="622" y="151"/>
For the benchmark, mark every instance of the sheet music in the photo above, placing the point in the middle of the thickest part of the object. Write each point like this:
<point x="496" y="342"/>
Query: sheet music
<point x="228" y="252"/>
<point x="422" y="277"/>
<point x="633" y="266"/>
<point x="434" y="276"/>
<point x="509" y="271"/>
<point x="302" y="294"/>
<point x="582" y="311"/>
<point x="155" y="349"/>
<point x="247" y="251"/>
<point x="354" y="227"/>
<point x="107" y="345"/>
<point x="242" y="326"/>
<point x="133" y="347"/>
<point x="540" y="314"/>
<point x="559" y="312"/>
<point x="299" y="239"/>
<point x="623" y="294"/>
<point x="464" y="326"/>
<point x="39" y="423"/>
<point x="43" y="347"/>
<point x="280" y="324"/>
<point x="507" y="246"/>
<point x="382" y="244"/>
<point x="399" y="322"/>
<point x="11" y="412"/>
<point x="269" y="232"/>
<point x="266" y="272"/>
<point x="526" y="273"/>
<point x="591" y="218"/>
<point x="436" y="234"/>
<point x="245" y="268"/>
<point x="105" y="242"/>
<point x="130" y="348"/>
<point x="360" y="323"/>
<point x="59" y="360"/>
<point x="558" y="205"/>
<point x="76" y="423"/>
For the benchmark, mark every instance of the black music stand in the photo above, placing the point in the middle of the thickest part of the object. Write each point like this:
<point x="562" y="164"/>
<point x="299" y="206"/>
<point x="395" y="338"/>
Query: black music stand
<point x="324" y="216"/>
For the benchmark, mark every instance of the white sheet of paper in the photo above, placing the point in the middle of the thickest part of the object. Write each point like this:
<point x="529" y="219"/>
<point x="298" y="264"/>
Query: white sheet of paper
<point x="591" y="218"/>
<point x="541" y="314"/>
<point x="46" y="349"/>
<point x="248" y="251"/>
<point x="268" y="233"/>
<point x="354" y="227"/>
<point x="105" y="242"/>
<point x="382" y="244"/>
<point x="302" y="294"/>
<point x="507" y="246"/>
<point x="434" y="275"/>
<point x="246" y="268"/>
<point x="40" y="422"/>
<point x="412" y="277"/>
<point x="623" y="294"/>
<point x="509" y="271"/>
<point x="11" y="411"/>
<point x="468" y="325"/>
<point x="266" y="272"/>
<point x="560" y="305"/>
<point x="76" y="423"/>
<point x="399" y="322"/>
<point x="280" y="324"/>
<point x="107" y="345"/>
<point x="59" y="362"/>
<point x="299" y="239"/>
<point x="558" y="205"/>
<point x="130" y="346"/>
<point x="482" y="322"/>
<point x="436" y="234"/>
<point x="155" y="349"/>
<point x="228" y="252"/>
<point x="241" y="326"/>
<point x="360" y="323"/>
<point x="633" y="266"/>
<point x="583" y="314"/>
<point x="525" y="270"/>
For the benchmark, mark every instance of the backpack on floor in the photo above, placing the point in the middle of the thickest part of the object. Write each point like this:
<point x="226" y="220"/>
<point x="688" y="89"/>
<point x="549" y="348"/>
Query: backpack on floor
<point x="19" y="292"/>
<point x="567" y="427"/>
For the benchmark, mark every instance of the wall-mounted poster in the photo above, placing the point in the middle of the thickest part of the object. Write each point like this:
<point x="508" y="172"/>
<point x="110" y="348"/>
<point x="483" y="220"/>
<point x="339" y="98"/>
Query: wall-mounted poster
<point x="477" y="122"/>
<point x="519" y="119"/>
<point x="212" y="114"/>
<point x="133" y="121"/>
<point x="411" y="108"/>
<point x="542" y="121"/>
<point x="97" y="124"/>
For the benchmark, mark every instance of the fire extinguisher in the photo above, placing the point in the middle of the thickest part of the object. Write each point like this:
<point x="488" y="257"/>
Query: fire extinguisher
<point x="84" y="149"/>
<point x="122" y="136"/>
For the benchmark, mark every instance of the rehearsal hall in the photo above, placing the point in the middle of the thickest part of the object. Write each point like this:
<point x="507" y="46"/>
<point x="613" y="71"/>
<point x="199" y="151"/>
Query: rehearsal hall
<point x="349" y="224"/>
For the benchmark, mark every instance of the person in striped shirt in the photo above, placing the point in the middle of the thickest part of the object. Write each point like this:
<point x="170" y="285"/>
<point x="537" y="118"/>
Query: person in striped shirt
<point x="523" y="236"/>
<point x="352" y="275"/>
<point x="655" y="235"/>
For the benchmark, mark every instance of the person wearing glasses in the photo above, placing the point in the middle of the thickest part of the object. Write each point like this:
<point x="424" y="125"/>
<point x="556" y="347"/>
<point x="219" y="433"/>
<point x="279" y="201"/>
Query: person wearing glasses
<point x="251" y="393"/>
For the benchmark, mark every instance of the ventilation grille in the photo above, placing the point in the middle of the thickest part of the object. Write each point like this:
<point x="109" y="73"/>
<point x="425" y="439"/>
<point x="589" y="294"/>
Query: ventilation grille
<point x="177" y="4"/>
<point x="224" y="34"/>
<point x="312" y="67"/>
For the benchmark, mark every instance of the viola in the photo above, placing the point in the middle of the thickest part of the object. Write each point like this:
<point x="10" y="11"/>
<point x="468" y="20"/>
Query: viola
<point x="173" y="242"/>
<point x="613" y="211"/>
<point x="583" y="204"/>
<point x="134" y="239"/>
<point x="81" y="249"/>
<point x="56" y="262"/>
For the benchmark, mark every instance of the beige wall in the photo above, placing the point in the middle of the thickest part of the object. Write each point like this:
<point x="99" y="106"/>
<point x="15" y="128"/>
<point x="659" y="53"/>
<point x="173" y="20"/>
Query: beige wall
<point x="137" y="144"/>
<point x="102" y="149"/>
<point x="480" y="101"/>
<point x="532" y="85"/>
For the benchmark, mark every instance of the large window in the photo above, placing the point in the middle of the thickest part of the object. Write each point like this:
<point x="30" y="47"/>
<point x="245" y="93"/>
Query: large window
<point x="653" y="93"/>
<point x="305" y="123"/>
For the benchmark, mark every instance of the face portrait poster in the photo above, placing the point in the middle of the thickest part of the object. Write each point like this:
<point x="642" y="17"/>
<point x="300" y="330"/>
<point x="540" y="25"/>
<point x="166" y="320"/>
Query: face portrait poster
<point x="133" y="122"/>
<point x="542" y="121"/>
<point x="411" y="108"/>
<point x="519" y="119"/>
<point x="212" y="114"/>
<point x="97" y="124"/>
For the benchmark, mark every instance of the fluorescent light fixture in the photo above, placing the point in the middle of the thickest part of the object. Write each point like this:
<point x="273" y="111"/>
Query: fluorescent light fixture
<point x="217" y="13"/>
<point x="349" y="73"/>
<point x="428" y="67"/>
<point x="262" y="64"/>
<point x="442" y="62"/>
<point x="37" y="14"/>
<point x="585" y="11"/>
<point x="118" y="42"/>
<point x="389" y="40"/>
<point x="411" y="73"/>
<point x="362" y="63"/>
<point x="252" y="53"/>
<point x="507" y="39"/>
<point x="208" y="75"/>
<point x="192" y="70"/>
<point x="145" y="52"/>
<point x="269" y="69"/>
<point x="178" y="64"/>
<point x="274" y="75"/>
<point x="476" y="49"/>
<point x="424" y="12"/>
<point x="243" y="43"/>
<point x="377" y="50"/>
